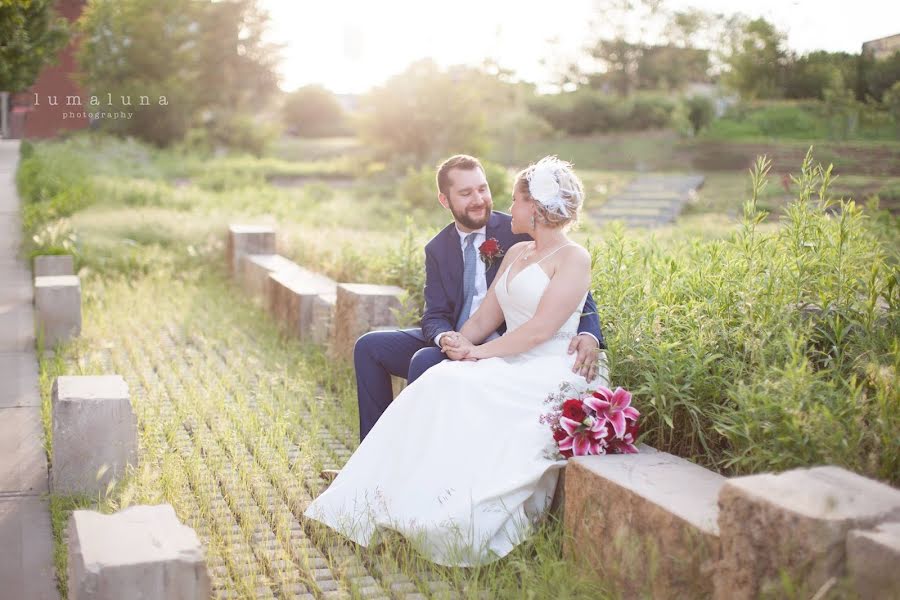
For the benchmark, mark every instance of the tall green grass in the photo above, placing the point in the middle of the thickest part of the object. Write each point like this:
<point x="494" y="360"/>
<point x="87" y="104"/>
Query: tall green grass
<point x="769" y="349"/>
<point x="772" y="346"/>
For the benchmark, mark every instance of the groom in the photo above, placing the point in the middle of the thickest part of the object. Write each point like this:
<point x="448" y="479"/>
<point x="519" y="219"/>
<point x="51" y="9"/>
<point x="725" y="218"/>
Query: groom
<point x="449" y="300"/>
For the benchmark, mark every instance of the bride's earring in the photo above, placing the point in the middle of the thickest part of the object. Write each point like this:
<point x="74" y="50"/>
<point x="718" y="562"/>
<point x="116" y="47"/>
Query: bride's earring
<point x="533" y="225"/>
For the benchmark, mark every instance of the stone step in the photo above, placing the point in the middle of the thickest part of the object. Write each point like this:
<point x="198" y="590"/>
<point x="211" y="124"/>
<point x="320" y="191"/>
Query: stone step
<point x="247" y="239"/>
<point x="94" y="433"/>
<point x="647" y="523"/>
<point x="360" y="308"/>
<point x="138" y="552"/>
<point x="57" y="304"/>
<point x="637" y="201"/>
<point x="794" y="524"/>
<point x="302" y="301"/>
<point x="637" y="211"/>
<point x="636" y="221"/>
<point x="872" y="560"/>
<point x="254" y="271"/>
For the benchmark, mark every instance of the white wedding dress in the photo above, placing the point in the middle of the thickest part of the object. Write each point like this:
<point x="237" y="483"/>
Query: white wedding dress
<point x="458" y="463"/>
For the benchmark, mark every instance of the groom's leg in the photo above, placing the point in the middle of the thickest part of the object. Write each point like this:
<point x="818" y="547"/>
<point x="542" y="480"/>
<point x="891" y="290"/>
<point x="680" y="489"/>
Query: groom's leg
<point x="423" y="360"/>
<point x="376" y="356"/>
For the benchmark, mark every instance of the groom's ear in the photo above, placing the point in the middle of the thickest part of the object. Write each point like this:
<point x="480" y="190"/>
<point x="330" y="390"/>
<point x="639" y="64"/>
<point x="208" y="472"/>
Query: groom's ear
<point x="442" y="198"/>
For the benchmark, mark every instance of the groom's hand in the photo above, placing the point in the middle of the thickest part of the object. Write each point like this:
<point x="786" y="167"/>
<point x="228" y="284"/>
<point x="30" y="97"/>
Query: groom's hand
<point x="586" y="361"/>
<point x="455" y="346"/>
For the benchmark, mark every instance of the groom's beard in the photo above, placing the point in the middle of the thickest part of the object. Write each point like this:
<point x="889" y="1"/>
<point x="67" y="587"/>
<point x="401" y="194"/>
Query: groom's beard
<point x="473" y="222"/>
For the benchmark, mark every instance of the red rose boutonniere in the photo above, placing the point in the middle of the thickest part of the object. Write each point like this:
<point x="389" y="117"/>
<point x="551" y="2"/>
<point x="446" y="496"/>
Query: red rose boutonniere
<point x="490" y="251"/>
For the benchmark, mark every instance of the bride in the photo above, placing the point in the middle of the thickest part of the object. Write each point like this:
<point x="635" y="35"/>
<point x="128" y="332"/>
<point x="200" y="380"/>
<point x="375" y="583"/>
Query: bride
<point x="458" y="463"/>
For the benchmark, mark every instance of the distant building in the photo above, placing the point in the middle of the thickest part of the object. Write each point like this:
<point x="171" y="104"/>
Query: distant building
<point x="39" y="119"/>
<point x="882" y="47"/>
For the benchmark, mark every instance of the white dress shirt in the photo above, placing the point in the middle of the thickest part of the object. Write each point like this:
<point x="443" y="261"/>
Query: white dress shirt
<point x="480" y="279"/>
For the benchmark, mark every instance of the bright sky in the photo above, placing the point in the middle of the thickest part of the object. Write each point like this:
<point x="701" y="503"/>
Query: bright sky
<point x="351" y="45"/>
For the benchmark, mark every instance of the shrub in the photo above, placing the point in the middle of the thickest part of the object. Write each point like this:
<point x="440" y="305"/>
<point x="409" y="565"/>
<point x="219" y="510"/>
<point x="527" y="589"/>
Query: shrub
<point x="422" y="114"/>
<point x="700" y="112"/>
<point x="765" y="350"/>
<point x="650" y="111"/>
<point x="313" y="111"/>
<point x="53" y="182"/>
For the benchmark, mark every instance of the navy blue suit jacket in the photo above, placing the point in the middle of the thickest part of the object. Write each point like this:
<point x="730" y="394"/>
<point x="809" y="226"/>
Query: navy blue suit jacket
<point x="444" y="274"/>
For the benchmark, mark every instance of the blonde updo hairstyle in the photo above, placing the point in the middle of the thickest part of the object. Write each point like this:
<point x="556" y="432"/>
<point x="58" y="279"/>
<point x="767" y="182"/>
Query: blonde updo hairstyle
<point x="571" y="193"/>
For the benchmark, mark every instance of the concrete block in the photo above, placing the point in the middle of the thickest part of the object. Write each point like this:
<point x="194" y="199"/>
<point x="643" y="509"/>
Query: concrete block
<point x="873" y="561"/>
<point x="256" y="268"/>
<point x="94" y="433"/>
<point x="645" y="523"/>
<point x="794" y="524"/>
<point x="293" y="300"/>
<point x="53" y="265"/>
<point x="139" y="552"/>
<point x="359" y="308"/>
<point x="247" y="239"/>
<point x="321" y="328"/>
<point x="57" y="304"/>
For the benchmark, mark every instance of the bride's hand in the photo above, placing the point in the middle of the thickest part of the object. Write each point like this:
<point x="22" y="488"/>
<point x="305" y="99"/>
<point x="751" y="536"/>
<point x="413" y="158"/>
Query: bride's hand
<point x="476" y="353"/>
<point x="458" y="347"/>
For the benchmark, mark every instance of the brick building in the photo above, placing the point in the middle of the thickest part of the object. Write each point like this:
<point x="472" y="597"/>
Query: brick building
<point x="31" y="113"/>
<point x="882" y="47"/>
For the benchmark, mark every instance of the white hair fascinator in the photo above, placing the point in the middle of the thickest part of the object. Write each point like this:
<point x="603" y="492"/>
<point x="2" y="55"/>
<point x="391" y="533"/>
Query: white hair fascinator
<point x="543" y="185"/>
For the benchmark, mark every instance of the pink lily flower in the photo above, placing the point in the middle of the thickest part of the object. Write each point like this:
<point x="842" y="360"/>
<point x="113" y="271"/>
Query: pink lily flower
<point x="614" y="406"/>
<point x="583" y="439"/>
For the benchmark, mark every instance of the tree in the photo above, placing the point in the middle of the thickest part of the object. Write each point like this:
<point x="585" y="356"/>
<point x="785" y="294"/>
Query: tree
<point x="313" y="111"/>
<point x="424" y="113"/>
<point x="879" y="75"/>
<point x="199" y="64"/>
<point x="757" y="61"/>
<point x="32" y="35"/>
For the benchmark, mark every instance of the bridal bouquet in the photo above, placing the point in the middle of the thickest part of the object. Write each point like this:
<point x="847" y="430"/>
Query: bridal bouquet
<point x="592" y="422"/>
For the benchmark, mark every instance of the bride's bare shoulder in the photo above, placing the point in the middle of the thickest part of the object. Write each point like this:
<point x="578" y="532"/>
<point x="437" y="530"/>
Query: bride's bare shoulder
<point x="576" y="252"/>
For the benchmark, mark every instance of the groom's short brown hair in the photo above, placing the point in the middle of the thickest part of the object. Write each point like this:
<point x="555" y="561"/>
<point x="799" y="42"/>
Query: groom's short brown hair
<point x="460" y="161"/>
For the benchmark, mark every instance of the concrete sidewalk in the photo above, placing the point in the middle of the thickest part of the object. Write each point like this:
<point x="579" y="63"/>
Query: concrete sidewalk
<point x="26" y="543"/>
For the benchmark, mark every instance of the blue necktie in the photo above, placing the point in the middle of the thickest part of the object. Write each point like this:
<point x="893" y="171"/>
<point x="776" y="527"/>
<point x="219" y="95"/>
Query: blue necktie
<point x="469" y="265"/>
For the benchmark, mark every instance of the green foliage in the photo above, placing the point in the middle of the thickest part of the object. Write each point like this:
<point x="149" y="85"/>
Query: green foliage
<point x="53" y="182"/>
<point x="839" y="118"/>
<point x="892" y="102"/>
<point x="424" y="114"/>
<point x="766" y="350"/>
<point x="700" y="112"/>
<point x="313" y="111"/>
<point x="32" y="34"/>
<point x="757" y="61"/>
<point x="199" y="64"/>
<point x="418" y="188"/>
<point x="878" y="75"/>
<point x="586" y="111"/>
<point x="808" y="76"/>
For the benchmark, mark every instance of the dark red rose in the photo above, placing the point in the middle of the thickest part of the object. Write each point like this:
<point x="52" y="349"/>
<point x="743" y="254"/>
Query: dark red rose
<point x="566" y="453"/>
<point x="490" y="247"/>
<point x="573" y="409"/>
<point x="559" y="435"/>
